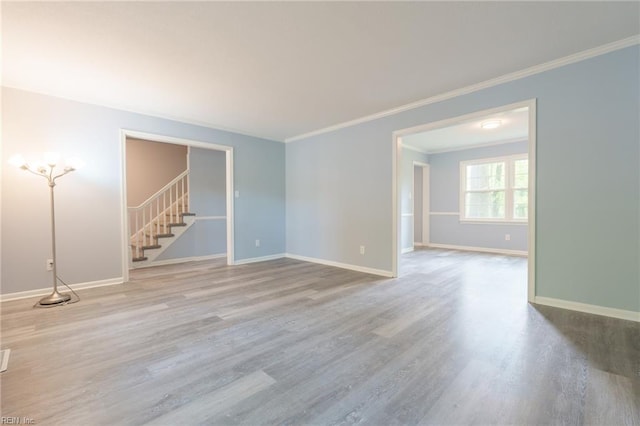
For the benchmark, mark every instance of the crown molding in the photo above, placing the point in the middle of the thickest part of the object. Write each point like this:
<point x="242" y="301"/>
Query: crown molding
<point x="120" y="107"/>
<point x="577" y="57"/>
<point x="413" y="148"/>
<point x="537" y="69"/>
<point x="479" y="145"/>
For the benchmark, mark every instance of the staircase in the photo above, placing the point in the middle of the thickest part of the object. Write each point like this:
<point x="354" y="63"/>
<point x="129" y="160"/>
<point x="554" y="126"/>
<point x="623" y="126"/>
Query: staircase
<point x="159" y="221"/>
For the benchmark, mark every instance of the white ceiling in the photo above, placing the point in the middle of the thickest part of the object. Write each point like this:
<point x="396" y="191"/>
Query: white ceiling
<point x="281" y="69"/>
<point x="514" y="126"/>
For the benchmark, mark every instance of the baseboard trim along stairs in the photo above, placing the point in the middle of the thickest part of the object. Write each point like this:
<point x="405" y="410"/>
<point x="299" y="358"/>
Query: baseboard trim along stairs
<point x="149" y="253"/>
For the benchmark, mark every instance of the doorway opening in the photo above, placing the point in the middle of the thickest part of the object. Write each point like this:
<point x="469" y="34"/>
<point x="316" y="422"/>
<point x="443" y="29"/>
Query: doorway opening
<point x="421" y="198"/>
<point x="468" y="183"/>
<point x="168" y="215"/>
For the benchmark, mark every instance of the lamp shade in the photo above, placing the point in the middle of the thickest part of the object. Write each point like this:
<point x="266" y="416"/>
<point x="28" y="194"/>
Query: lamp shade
<point x="18" y="161"/>
<point x="51" y="158"/>
<point x="74" y="163"/>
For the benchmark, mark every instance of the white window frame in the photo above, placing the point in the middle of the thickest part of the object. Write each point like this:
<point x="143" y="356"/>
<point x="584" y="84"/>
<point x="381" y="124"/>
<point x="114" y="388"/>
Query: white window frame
<point x="509" y="189"/>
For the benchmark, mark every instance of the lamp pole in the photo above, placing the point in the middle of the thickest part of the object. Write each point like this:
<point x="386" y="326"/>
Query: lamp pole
<point x="55" y="297"/>
<point x="47" y="172"/>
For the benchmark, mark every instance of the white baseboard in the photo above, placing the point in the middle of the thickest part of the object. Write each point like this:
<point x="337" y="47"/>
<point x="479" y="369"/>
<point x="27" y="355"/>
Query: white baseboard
<point x="259" y="259"/>
<point x="176" y="260"/>
<point x="418" y="244"/>
<point x="407" y="250"/>
<point x="44" y="291"/>
<point x="522" y="253"/>
<point x="590" y="309"/>
<point x="357" y="268"/>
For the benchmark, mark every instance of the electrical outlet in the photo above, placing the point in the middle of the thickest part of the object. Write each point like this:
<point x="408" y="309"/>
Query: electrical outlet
<point x="507" y="237"/>
<point x="237" y="193"/>
<point x="361" y="249"/>
<point x="49" y="264"/>
<point x="257" y="243"/>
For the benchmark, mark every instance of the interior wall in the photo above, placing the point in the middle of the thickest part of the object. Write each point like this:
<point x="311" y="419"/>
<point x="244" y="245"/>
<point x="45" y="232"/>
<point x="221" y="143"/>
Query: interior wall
<point x="207" y="182"/>
<point x="207" y="200"/>
<point x="418" y="214"/>
<point x="150" y="166"/>
<point x="339" y="183"/>
<point x="407" y="196"/>
<point x="446" y="227"/>
<point x="89" y="201"/>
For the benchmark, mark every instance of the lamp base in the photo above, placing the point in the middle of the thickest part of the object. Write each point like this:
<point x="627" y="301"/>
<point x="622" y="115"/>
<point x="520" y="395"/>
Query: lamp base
<point x="54" y="298"/>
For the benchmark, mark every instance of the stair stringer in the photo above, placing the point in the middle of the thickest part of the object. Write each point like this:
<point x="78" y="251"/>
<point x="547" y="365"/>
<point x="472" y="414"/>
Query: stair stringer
<point x="165" y="243"/>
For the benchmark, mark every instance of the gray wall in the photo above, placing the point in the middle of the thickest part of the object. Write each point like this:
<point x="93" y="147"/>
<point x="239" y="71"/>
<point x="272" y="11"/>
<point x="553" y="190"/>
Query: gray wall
<point x="338" y="197"/>
<point x="207" y="182"/>
<point x="203" y="238"/>
<point x="88" y="209"/>
<point x="339" y="184"/>
<point x="445" y="197"/>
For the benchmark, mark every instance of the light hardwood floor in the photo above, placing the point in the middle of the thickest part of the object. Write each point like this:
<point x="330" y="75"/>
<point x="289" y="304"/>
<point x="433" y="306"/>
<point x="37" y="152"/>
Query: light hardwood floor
<point x="287" y="342"/>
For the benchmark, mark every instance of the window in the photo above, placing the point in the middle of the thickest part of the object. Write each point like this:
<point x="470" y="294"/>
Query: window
<point x="495" y="189"/>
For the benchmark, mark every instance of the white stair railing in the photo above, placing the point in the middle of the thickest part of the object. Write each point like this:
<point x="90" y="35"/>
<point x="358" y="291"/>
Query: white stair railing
<point x="152" y="217"/>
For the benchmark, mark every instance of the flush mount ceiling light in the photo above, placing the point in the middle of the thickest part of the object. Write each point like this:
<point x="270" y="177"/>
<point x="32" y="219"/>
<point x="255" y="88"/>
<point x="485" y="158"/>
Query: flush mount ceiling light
<point x="490" y="124"/>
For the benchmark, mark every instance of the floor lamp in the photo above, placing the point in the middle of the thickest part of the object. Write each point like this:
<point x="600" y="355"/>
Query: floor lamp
<point x="47" y="171"/>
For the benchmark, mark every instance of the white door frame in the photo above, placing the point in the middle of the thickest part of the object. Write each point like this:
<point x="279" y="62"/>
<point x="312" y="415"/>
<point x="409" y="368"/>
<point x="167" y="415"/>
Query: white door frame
<point x="397" y="181"/>
<point x="228" y="150"/>
<point x="425" y="200"/>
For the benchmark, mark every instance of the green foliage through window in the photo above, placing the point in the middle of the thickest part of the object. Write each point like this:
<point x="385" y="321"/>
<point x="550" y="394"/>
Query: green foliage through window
<point x="496" y="189"/>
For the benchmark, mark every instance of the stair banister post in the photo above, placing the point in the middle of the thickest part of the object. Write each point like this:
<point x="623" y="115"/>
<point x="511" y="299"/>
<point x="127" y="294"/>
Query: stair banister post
<point x="183" y="206"/>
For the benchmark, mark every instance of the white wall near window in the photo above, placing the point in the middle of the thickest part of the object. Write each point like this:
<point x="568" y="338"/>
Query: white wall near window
<point x="446" y="228"/>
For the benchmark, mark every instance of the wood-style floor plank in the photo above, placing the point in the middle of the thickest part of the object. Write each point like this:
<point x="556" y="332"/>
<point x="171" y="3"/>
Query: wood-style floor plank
<point x="453" y="341"/>
<point x="610" y="400"/>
